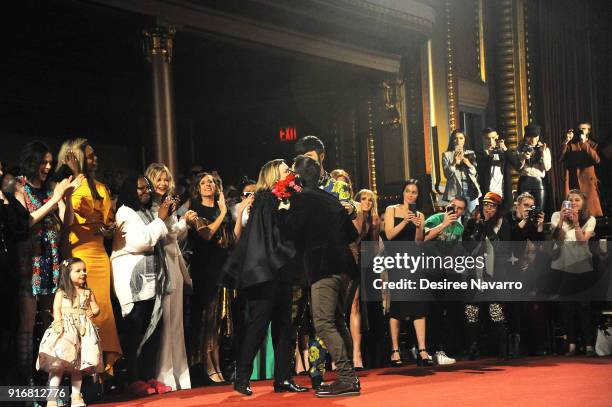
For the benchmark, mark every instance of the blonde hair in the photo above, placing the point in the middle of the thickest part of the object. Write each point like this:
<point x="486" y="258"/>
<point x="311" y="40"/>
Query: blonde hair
<point x="155" y="171"/>
<point x="269" y="174"/>
<point x="337" y="173"/>
<point x="76" y="146"/>
<point x="372" y="195"/>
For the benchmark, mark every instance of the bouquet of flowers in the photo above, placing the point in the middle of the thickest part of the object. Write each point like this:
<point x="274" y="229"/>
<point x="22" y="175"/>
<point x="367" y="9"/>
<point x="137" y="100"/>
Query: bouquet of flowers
<point x="283" y="189"/>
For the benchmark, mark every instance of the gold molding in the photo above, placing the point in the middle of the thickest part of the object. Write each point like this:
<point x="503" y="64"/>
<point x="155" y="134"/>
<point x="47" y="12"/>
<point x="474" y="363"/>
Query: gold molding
<point x="450" y="75"/>
<point x="520" y="59"/>
<point x="371" y="150"/>
<point x="479" y="6"/>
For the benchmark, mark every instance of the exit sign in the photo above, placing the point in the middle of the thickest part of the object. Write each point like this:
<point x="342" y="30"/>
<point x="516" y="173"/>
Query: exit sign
<point x="288" y="134"/>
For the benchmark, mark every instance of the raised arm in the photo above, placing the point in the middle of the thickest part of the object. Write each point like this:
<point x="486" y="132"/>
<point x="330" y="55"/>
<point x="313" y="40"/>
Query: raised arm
<point x="209" y="231"/>
<point x="546" y="158"/>
<point x="50" y="205"/>
<point x="242" y="206"/>
<point x="138" y="236"/>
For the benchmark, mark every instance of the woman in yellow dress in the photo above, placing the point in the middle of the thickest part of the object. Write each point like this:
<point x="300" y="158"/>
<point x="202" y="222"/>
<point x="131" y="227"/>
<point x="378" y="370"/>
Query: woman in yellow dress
<point x="89" y="220"/>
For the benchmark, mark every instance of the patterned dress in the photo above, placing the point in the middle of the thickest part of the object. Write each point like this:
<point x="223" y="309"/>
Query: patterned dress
<point x="77" y="348"/>
<point x="39" y="253"/>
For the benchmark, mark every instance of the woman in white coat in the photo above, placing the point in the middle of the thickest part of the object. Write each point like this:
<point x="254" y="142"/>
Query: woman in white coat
<point x="172" y="367"/>
<point x="141" y="280"/>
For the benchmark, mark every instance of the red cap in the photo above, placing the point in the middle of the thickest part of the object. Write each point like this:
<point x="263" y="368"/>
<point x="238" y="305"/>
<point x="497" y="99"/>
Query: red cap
<point x="493" y="198"/>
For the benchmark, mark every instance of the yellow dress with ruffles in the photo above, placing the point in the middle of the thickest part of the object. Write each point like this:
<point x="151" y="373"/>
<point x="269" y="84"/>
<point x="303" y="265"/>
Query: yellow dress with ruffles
<point x="88" y="245"/>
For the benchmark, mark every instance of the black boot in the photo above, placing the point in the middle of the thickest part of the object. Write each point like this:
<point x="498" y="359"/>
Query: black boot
<point x="472" y="331"/>
<point x="502" y="340"/>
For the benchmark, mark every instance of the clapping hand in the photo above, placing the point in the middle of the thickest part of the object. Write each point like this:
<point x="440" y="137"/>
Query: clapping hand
<point x="190" y="217"/>
<point x="167" y="207"/>
<point x="222" y="204"/>
<point x="246" y="203"/>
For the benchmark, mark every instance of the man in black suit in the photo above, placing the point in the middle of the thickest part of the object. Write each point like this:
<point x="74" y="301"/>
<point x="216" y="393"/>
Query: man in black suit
<point x="322" y="230"/>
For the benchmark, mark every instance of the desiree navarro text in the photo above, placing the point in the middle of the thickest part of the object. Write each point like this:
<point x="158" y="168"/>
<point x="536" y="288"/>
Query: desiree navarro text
<point x="425" y="284"/>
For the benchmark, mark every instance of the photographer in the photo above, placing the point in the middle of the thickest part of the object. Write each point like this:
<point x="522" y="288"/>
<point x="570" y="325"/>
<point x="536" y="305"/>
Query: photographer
<point x="533" y="159"/>
<point x="494" y="173"/>
<point x="459" y="166"/>
<point x="526" y="227"/>
<point x="579" y="156"/>
<point x="527" y="220"/>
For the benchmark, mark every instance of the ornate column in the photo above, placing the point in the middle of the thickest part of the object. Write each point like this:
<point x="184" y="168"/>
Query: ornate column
<point x="157" y="44"/>
<point x="511" y="68"/>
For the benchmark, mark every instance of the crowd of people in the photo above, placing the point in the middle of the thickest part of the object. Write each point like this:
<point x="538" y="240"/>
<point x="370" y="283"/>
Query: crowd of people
<point x="193" y="264"/>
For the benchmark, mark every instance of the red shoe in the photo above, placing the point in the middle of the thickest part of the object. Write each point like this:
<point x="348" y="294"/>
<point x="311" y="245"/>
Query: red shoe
<point x="140" y="388"/>
<point x="159" y="387"/>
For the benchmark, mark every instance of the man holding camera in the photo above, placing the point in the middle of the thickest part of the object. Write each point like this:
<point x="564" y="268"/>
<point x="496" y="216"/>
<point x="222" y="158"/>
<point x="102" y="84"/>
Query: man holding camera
<point x="494" y="173"/>
<point x="446" y="226"/>
<point x="579" y="155"/>
<point x="534" y="161"/>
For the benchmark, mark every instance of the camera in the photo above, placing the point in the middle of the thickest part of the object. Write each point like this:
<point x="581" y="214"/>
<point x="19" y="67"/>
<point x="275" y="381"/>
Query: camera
<point x="577" y="135"/>
<point x="525" y="148"/>
<point x="450" y="208"/>
<point x="534" y="213"/>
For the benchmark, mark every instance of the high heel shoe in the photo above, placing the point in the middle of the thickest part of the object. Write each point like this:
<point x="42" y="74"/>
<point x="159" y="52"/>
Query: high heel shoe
<point x="212" y="382"/>
<point x="396" y="363"/>
<point x="424" y="362"/>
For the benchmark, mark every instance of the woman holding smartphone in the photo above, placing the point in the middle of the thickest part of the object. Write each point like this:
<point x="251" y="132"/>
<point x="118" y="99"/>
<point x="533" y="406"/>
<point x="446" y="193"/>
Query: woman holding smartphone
<point x="403" y="222"/>
<point x="574" y="226"/>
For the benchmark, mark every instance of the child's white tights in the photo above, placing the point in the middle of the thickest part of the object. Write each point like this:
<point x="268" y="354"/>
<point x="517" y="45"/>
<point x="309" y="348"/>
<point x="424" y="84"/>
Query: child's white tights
<point x="55" y="378"/>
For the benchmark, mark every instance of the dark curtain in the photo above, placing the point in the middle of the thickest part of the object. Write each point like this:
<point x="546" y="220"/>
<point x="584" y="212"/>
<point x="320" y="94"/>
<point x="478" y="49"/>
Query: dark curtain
<point x="568" y="79"/>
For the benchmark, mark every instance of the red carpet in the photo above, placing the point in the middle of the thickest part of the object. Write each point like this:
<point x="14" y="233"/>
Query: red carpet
<point x="543" y="381"/>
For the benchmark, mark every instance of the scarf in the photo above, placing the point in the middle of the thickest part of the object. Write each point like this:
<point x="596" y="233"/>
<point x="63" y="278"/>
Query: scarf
<point x="153" y="264"/>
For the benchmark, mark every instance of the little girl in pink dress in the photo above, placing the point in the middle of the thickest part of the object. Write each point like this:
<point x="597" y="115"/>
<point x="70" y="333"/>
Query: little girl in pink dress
<point x="71" y="344"/>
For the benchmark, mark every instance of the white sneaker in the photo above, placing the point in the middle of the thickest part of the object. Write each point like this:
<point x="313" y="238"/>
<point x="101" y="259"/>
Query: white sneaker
<point x="442" y="359"/>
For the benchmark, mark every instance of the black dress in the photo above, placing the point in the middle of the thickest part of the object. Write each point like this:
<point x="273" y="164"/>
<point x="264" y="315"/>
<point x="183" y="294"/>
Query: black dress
<point x="407" y="309"/>
<point x="208" y="256"/>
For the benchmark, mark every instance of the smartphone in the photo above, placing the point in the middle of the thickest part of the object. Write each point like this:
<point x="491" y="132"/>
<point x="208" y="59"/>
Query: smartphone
<point x="566" y="205"/>
<point x="412" y="207"/>
<point x="450" y="208"/>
